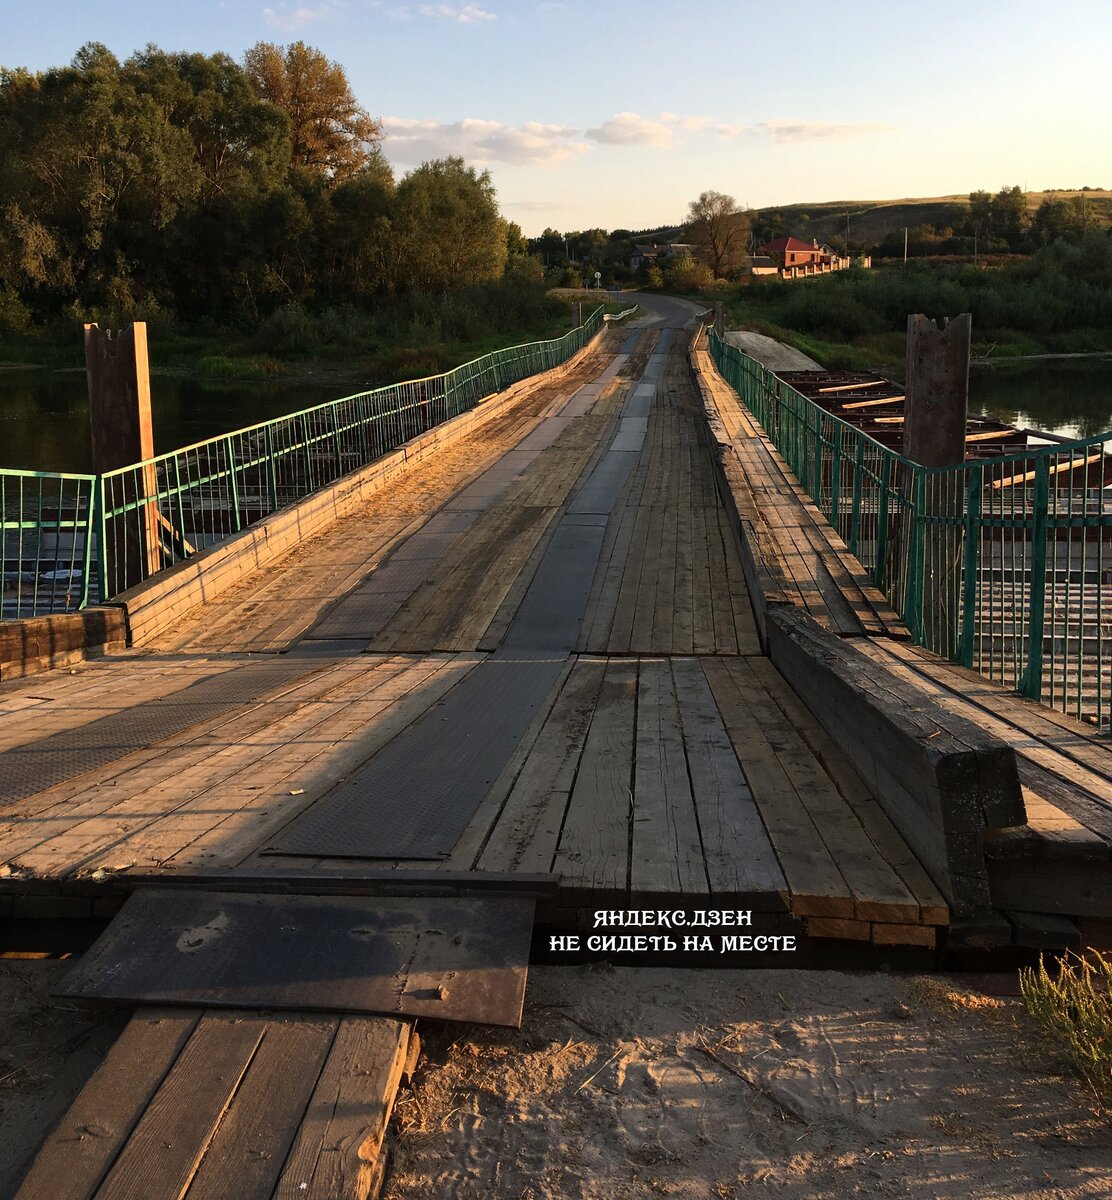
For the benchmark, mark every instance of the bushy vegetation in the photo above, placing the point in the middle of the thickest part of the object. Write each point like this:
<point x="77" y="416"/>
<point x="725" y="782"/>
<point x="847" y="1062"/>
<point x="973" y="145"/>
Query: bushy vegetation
<point x="1074" y="1005"/>
<point x="204" y="195"/>
<point x="1059" y="299"/>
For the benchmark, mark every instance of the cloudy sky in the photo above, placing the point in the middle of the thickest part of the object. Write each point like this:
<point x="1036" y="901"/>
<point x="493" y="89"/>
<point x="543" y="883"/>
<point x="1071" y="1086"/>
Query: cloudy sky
<point x="617" y="113"/>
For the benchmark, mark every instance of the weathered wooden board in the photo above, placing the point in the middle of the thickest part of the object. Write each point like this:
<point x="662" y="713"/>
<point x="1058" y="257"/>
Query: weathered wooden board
<point x="453" y="959"/>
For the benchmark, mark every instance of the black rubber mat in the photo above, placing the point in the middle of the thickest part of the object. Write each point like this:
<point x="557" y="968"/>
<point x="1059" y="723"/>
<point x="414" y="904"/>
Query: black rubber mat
<point x="25" y="770"/>
<point x="554" y="606"/>
<point x="417" y="795"/>
<point x="455" y="959"/>
<point x="605" y="483"/>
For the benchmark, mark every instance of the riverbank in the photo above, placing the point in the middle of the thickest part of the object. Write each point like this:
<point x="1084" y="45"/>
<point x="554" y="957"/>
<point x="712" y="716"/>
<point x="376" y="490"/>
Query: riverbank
<point x="398" y="338"/>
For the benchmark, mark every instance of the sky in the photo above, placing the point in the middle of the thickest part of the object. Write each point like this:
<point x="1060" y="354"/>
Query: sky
<point x="619" y="113"/>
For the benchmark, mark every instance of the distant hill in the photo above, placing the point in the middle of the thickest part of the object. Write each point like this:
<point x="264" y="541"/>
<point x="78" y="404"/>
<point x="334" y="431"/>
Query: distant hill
<point x="870" y="221"/>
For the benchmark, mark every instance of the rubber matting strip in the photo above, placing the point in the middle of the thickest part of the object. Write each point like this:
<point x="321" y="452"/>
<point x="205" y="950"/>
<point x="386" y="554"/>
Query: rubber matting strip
<point x="416" y="796"/>
<point x="25" y="770"/>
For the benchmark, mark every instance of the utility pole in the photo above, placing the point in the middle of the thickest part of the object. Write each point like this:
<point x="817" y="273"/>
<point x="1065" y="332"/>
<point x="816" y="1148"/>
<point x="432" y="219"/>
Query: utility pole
<point x="905" y="245"/>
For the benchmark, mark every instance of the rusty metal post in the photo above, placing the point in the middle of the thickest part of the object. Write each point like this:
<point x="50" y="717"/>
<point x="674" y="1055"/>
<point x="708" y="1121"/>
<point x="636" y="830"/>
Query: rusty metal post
<point x="934" y="435"/>
<point x="118" y="376"/>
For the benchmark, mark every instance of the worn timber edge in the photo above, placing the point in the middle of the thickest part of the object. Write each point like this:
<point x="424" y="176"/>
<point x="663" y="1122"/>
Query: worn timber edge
<point x="202" y="1103"/>
<point x="942" y="780"/>
<point x="37" y="644"/>
<point x="171" y="594"/>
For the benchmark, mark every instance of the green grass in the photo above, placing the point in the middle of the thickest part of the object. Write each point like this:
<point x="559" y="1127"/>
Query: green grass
<point x="1074" y="1006"/>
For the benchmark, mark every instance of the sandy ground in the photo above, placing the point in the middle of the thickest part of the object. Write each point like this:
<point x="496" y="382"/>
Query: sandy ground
<point x="48" y="1048"/>
<point x="796" y="1084"/>
<point x="771" y="353"/>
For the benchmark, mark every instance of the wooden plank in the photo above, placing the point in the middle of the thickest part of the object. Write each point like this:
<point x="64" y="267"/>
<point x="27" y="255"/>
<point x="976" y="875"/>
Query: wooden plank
<point x="77" y="1155"/>
<point x="479" y="830"/>
<point x="837" y="927"/>
<point x="740" y="860"/>
<point x="593" y="852"/>
<point x="878" y="892"/>
<point x="666" y="856"/>
<point x="815" y="883"/>
<point x="1043" y="931"/>
<point x="933" y="909"/>
<point x="338" y="1147"/>
<point x="526" y="834"/>
<point x="938" y="777"/>
<point x="247" y="1152"/>
<point x="160" y="1158"/>
<point x="904" y="935"/>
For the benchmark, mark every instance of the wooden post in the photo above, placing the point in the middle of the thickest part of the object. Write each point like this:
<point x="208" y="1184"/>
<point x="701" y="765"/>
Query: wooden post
<point x="122" y="435"/>
<point x="937" y="390"/>
<point x="720" y="318"/>
<point x="934" y="435"/>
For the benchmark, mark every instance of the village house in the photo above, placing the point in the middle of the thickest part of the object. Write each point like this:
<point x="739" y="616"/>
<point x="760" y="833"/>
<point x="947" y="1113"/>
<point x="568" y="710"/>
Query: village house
<point x="648" y="255"/>
<point x="791" y="258"/>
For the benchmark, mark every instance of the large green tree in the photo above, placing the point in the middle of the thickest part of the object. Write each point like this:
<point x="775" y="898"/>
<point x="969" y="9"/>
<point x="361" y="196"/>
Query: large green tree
<point x="449" y="231"/>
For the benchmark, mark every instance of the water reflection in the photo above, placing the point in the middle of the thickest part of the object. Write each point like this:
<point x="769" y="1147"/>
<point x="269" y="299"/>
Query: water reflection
<point x="44" y="415"/>
<point x="1071" y="397"/>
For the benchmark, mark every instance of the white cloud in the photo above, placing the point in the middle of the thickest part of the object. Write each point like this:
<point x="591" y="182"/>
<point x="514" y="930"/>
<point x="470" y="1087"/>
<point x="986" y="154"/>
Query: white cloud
<point x="533" y="144"/>
<point x="461" y="14"/>
<point x="807" y="131"/>
<point x="631" y="129"/>
<point x="289" y="19"/>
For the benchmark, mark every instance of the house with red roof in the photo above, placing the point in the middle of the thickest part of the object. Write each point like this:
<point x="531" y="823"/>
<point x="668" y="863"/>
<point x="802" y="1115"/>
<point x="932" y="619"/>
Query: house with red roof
<point x="790" y="251"/>
<point x="790" y="257"/>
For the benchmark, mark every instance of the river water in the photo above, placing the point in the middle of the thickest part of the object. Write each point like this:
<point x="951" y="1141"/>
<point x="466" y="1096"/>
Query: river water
<point x="44" y="414"/>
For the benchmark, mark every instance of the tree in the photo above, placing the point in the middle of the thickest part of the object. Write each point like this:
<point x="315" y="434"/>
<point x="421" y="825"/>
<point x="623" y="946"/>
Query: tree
<point x="330" y="134"/>
<point x="449" y="231"/>
<point x="687" y="274"/>
<point x="1009" y="214"/>
<point x="721" y="230"/>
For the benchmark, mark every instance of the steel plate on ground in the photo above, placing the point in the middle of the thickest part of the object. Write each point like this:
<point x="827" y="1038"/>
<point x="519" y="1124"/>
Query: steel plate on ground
<point x="417" y="795"/>
<point x="454" y="959"/>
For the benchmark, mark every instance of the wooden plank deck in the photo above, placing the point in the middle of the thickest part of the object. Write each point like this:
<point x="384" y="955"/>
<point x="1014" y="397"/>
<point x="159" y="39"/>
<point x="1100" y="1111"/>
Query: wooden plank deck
<point x="669" y="762"/>
<point x="193" y="1104"/>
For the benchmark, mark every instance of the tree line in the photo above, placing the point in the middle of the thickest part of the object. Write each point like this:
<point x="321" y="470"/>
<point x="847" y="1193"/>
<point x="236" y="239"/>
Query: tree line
<point x="193" y="187"/>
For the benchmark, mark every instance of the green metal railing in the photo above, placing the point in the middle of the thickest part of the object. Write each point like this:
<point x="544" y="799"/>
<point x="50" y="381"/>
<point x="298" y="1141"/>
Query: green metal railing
<point x="45" y="543"/>
<point x="1001" y="564"/>
<point x="70" y="540"/>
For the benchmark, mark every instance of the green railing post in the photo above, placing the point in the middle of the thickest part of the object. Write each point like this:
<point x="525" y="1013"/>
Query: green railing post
<point x="271" y="468"/>
<point x="880" y="571"/>
<point x="90" y="525"/>
<point x="970" y="577"/>
<point x="913" y="601"/>
<point x="102" y="541"/>
<point x="234" y="482"/>
<point x="855" y="514"/>
<point x="836" y="477"/>
<point x="1031" y="682"/>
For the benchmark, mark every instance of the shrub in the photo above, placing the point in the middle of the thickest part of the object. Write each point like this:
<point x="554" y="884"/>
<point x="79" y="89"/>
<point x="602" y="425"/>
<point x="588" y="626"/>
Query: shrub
<point x="1074" y="1006"/>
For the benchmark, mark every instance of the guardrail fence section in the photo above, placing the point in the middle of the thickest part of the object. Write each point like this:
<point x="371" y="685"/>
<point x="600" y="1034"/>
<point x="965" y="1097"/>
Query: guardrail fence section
<point x="1001" y="564"/>
<point x="71" y="540"/>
